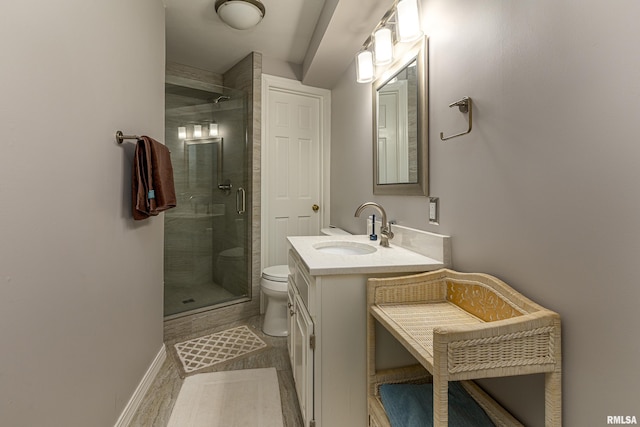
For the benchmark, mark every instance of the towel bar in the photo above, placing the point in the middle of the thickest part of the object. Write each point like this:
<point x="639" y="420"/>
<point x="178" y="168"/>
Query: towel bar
<point x="120" y="137"/>
<point x="465" y="106"/>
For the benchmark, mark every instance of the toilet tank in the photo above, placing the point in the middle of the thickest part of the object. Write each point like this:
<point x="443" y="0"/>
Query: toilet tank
<point x="333" y="231"/>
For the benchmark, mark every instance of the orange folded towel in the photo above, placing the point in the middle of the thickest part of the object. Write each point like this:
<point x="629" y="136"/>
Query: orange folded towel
<point x="152" y="179"/>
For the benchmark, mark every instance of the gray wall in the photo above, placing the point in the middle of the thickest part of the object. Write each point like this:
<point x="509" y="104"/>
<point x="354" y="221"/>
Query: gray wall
<point x="543" y="192"/>
<point x="80" y="282"/>
<point x="277" y="67"/>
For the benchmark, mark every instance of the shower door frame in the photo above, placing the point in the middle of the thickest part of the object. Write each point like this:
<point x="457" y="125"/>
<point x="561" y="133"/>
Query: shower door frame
<point x="245" y="186"/>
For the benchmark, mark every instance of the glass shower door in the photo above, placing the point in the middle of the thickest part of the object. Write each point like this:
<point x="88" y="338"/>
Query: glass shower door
<point x="206" y="235"/>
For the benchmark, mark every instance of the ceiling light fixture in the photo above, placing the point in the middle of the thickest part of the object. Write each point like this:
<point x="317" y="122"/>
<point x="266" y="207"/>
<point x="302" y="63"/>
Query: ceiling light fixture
<point x="240" y="14"/>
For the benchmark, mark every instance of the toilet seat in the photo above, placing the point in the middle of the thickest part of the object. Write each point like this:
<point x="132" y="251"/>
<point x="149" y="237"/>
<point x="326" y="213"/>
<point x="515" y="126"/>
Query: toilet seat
<point x="276" y="273"/>
<point x="275" y="278"/>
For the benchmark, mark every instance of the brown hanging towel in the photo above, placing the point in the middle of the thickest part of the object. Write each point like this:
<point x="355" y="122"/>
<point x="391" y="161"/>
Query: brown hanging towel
<point x="152" y="179"/>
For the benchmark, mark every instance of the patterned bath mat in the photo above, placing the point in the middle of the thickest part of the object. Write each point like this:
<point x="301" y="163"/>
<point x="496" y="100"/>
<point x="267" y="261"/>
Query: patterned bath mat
<point x="203" y="352"/>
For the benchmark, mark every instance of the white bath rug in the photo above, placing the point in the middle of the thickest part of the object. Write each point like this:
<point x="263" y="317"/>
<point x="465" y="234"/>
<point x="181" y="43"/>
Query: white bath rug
<point x="206" y="351"/>
<point x="248" y="397"/>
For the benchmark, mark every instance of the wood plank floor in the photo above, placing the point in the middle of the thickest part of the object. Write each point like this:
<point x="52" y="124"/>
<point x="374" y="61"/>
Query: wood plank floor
<point x="156" y="407"/>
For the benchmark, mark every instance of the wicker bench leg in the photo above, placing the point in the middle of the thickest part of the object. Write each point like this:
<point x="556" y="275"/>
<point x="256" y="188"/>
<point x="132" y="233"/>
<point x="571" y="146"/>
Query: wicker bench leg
<point x="553" y="399"/>
<point x="440" y="402"/>
<point x="553" y="383"/>
<point x="440" y="382"/>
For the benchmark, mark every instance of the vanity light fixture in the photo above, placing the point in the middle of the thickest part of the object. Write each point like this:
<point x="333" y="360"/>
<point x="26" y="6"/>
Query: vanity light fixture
<point x="408" y="17"/>
<point x="404" y="18"/>
<point x="383" y="46"/>
<point x="364" y="66"/>
<point x="198" y="131"/>
<point x="240" y="14"/>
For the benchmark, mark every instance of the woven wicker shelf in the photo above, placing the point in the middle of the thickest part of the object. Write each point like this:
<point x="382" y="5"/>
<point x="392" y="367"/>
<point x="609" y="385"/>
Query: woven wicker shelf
<point x="462" y="326"/>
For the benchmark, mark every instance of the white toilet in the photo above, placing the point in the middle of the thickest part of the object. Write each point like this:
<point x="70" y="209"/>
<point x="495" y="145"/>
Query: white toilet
<point x="273" y="285"/>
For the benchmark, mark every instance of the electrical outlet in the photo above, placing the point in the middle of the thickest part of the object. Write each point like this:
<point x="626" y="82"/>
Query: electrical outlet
<point x="434" y="211"/>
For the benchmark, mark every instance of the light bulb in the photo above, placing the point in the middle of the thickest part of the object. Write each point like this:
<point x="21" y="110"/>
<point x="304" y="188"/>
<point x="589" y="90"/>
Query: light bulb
<point x="197" y="131"/>
<point x="383" y="46"/>
<point x="182" y="132"/>
<point x="364" y="66"/>
<point x="213" y="129"/>
<point x="408" y="28"/>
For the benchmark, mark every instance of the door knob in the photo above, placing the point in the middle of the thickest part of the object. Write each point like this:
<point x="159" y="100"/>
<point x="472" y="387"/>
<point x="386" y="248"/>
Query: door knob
<point x="315" y="208"/>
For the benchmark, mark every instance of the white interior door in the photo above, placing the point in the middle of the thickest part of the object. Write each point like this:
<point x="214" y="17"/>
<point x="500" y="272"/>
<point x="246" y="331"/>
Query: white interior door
<point x="295" y="149"/>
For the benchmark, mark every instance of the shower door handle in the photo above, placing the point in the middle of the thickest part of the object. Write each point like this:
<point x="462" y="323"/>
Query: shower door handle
<point x="241" y="204"/>
<point x="225" y="186"/>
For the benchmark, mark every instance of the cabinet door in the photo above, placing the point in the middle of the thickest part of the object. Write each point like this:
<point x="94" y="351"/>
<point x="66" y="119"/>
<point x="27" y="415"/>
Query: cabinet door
<point x="303" y="359"/>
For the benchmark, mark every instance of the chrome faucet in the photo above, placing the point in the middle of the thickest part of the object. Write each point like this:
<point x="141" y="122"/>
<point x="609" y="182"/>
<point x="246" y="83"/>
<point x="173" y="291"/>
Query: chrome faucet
<point x="385" y="230"/>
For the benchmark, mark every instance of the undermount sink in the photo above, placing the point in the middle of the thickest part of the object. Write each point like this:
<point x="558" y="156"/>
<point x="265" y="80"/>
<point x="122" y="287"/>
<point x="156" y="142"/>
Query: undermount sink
<point x="344" y="248"/>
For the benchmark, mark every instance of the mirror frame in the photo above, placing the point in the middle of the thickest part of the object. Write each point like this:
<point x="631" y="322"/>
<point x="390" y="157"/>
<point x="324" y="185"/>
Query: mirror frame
<point x="418" y="52"/>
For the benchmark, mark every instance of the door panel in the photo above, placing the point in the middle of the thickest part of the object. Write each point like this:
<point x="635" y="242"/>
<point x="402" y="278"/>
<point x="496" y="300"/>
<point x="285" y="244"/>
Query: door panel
<point x="393" y="157"/>
<point x="303" y="360"/>
<point x="293" y="150"/>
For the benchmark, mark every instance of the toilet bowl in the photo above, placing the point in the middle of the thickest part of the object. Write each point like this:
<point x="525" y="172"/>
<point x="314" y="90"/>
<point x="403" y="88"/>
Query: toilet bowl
<point x="273" y="285"/>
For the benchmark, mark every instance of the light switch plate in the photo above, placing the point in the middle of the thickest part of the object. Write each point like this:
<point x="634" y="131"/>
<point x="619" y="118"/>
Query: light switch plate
<point x="434" y="210"/>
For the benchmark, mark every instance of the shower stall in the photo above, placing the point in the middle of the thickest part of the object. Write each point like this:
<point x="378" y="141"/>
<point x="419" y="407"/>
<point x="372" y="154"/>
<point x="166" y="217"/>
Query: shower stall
<point x="206" y="248"/>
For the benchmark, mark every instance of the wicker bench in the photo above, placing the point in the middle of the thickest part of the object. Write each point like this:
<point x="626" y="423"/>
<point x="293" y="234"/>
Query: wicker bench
<point x="463" y="326"/>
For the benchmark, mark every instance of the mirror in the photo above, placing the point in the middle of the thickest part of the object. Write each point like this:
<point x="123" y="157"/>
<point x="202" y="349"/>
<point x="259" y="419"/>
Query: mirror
<point x="400" y="126"/>
<point x="198" y="158"/>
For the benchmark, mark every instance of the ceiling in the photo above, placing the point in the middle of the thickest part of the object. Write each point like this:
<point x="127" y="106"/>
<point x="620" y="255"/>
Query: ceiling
<point x="318" y="37"/>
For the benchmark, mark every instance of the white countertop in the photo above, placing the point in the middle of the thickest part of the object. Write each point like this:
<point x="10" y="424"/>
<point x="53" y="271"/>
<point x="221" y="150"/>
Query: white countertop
<point x="394" y="259"/>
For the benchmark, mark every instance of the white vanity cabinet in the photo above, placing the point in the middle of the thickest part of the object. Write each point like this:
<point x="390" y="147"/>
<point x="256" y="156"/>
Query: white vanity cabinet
<point x="327" y="346"/>
<point x="328" y="324"/>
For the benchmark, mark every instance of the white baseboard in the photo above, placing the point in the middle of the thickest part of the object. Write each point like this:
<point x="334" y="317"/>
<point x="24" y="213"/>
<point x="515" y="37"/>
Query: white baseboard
<point x="136" y="399"/>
